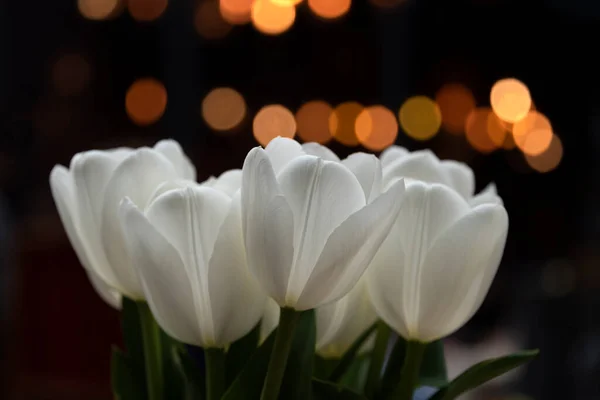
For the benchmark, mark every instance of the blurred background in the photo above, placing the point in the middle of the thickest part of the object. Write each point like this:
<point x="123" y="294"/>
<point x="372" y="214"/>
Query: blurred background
<point x="509" y="87"/>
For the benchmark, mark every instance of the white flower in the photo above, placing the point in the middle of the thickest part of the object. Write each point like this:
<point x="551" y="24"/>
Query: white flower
<point x="434" y="269"/>
<point x="270" y="319"/>
<point x="188" y="249"/>
<point x="308" y="229"/>
<point x="87" y="196"/>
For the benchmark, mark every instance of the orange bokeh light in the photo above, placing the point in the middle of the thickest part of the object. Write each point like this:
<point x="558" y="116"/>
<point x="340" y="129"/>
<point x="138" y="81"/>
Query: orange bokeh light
<point x="329" y="9"/>
<point x="497" y="129"/>
<point x="271" y="18"/>
<point x="236" y="11"/>
<point x="456" y="101"/>
<point x="272" y="121"/>
<point x="313" y="121"/>
<point x="533" y="133"/>
<point x="145" y="101"/>
<point x="510" y="100"/>
<point x="420" y="117"/>
<point x="208" y="20"/>
<point x="342" y="123"/>
<point x="98" y="9"/>
<point x="223" y="109"/>
<point x="376" y="128"/>
<point x="146" y="10"/>
<point x="477" y="130"/>
<point x="287" y="2"/>
<point x="549" y="159"/>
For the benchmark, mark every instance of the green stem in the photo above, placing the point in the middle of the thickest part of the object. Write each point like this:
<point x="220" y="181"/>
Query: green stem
<point x="215" y="373"/>
<point x="409" y="377"/>
<point x="279" y="355"/>
<point x="152" y="352"/>
<point x="377" y="359"/>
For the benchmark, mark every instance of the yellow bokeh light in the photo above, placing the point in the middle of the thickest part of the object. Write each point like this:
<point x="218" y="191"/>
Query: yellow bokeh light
<point x="342" y="123"/>
<point x="510" y="100"/>
<point x="145" y="101"/>
<point x="477" y="130"/>
<point x="533" y="133"/>
<point x="272" y="121"/>
<point x="329" y="9"/>
<point x="287" y="2"/>
<point x="97" y="9"/>
<point x="208" y="20"/>
<point x="223" y="109"/>
<point x="146" y="10"/>
<point x="236" y="12"/>
<point x="313" y="121"/>
<point x="549" y="159"/>
<point x="420" y="117"/>
<point x="456" y="101"/>
<point x="271" y="18"/>
<point x="376" y="128"/>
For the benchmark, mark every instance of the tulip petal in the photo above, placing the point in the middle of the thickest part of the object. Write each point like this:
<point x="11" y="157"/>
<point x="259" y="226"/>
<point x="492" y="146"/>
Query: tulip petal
<point x="350" y="249"/>
<point x="488" y="195"/>
<point x="281" y="151"/>
<point x="270" y="319"/>
<point x="322" y="195"/>
<point x="167" y="286"/>
<point x="106" y="293"/>
<point x="392" y="154"/>
<point x="228" y="182"/>
<point x="137" y="177"/>
<point x="458" y="270"/>
<point x="174" y="153"/>
<point x="367" y="169"/>
<point x="268" y="225"/>
<point x="318" y="150"/>
<point x="461" y="177"/>
<point x="421" y="165"/>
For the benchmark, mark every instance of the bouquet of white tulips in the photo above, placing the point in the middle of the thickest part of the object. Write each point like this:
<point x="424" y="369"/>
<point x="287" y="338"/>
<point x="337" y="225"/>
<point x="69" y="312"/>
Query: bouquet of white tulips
<point x="299" y="276"/>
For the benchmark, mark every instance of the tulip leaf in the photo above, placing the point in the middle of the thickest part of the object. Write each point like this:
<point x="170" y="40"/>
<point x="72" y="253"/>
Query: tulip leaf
<point x="350" y="354"/>
<point x="126" y="380"/>
<point x="299" y="369"/>
<point x="483" y="372"/>
<point x="324" y="367"/>
<point x="193" y="376"/>
<point x="132" y="331"/>
<point x="324" y="390"/>
<point x="249" y="382"/>
<point x="356" y="375"/>
<point x="173" y="375"/>
<point x="239" y="353"/>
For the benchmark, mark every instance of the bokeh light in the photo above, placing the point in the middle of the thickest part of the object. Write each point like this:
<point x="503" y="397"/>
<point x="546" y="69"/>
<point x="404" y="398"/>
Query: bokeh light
<point x="329" y="9"/>
<point x="271" y="18"/>
<point x="145" y="101"/>
<point x="146" y="10"/>
<point x="420" y="117"/>
<point x="312" y="119"/>
<point x="456" y="101"/>
<point x="98" y="9"/>
<point x="510" y="99"/>
<point x="376" y="128"/>
<point x="287" y="2"/>
<point x="236" y="11"/>
<point x="208" y="20"/>
<point x="497" y="130"/>
<point x="223" y="109"/>
<point x="533" y="133"/>
<point x="71" y="74"/>
<point x="271" y="121"/>
<point x="549" y="159"/>
<point x="342" y="123"/>
<point x="477" y="130"/>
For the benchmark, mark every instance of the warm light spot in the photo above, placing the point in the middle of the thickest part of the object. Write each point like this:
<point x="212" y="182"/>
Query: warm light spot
<point x="342" y="123"/>
<point x="272" y="121"/>
<point x="510" y="99"/>
<point x="146" y="101"/>
<point x="420" y="117"/>
<point x="456" y="102"/>
<point x="287" y="2"/>
<point x="477" y="130"/>
<point x="549" y="159"/>
<point x="97" y="9"/>
<point x="497" y="129"/>
<point x="71" y="74"/>
<point x="329" y="9"/>
<point x="533" y="121"/>
<point x="208" y="20"/>
<point x="533" y="133"/>
<point x="509" y="142"/>
<point x="536" y="142"/>
<point x="271" y="18"/>
<point x="387" y="3"/>
<point x="313" y="121"/>
<point x="376" y="128"/>
<point x="223" y="109"/>
<point x="236" y="11"/>
<point x="146" y="10"/>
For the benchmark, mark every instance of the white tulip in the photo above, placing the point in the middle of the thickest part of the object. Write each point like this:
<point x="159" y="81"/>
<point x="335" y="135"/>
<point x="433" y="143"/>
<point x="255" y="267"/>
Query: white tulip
<point x="435" y="267"/>
<point x="309" y="231"/>
<point x="270" y="319"/>
<point x="87" y="196"/>
<point x="188" y="249"/>
<point x="340" y="323"/>
<point x="488" y="195"/>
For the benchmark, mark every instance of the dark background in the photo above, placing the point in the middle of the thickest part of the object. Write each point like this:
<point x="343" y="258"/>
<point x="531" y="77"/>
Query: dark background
<point x="57" y="333"/>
